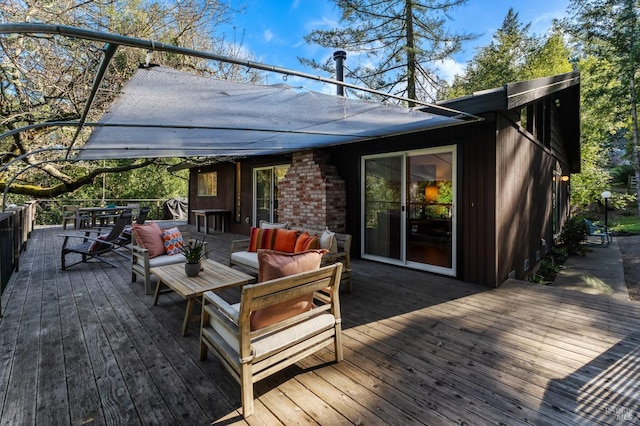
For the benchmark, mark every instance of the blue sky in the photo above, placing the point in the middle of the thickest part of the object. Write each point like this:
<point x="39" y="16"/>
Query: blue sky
<point x="273" y="30"/>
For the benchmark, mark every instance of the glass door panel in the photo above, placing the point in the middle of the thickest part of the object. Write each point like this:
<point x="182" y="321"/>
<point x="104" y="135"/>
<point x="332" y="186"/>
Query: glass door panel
<point x="383" y="206"/>
<point x="266" y="192"/>
<point x="409" y="209"/>
<point x="263" y="195"/>
<point x="430" y="207"/>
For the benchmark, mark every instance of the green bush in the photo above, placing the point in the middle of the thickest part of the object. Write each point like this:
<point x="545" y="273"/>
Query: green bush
<point x="574" y="232"/>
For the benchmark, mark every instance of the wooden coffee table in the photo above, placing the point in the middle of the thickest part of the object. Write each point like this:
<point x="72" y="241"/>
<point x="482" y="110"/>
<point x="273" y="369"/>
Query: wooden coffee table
<point x="214" y="276"/>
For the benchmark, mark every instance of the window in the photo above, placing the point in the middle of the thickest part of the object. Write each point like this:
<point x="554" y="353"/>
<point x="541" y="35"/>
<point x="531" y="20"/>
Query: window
<point x="208" y="184"/>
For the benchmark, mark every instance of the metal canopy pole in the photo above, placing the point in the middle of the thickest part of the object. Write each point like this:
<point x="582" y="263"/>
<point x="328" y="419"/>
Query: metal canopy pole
<point x="63" y="30"/>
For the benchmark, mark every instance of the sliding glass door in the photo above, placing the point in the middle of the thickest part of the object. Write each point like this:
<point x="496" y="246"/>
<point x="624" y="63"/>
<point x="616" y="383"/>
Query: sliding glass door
<point x="265" y="190"/>
<point x="409" y="209"/>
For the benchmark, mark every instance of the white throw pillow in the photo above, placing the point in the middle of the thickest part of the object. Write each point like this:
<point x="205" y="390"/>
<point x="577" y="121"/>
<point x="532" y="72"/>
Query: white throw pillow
<point x="328" y="241"/>
<point x="267" y="225"/>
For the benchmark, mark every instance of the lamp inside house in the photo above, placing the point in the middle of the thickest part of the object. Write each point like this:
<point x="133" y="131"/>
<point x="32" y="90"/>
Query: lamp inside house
<point x="431" y="193"/>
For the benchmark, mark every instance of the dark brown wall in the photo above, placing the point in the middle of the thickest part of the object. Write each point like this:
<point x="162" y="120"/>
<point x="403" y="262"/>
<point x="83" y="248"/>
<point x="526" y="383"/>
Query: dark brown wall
<point x="226" y="198"/>
<point x="504" y="198"/>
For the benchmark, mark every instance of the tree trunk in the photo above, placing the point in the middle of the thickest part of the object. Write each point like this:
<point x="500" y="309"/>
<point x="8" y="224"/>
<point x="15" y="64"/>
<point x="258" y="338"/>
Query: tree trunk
<point x="411" y="54"/>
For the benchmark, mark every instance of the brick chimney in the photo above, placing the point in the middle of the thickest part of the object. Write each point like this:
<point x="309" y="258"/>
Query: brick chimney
<point x="312" y="195"/>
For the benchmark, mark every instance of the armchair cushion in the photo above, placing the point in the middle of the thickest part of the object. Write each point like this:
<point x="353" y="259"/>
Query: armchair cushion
<point x="271" y="265"/>
<point x="149" y="236"/>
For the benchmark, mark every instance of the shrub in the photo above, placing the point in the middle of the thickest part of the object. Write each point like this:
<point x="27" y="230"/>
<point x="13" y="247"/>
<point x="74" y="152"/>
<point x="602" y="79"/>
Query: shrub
<point x="574" y="232"/>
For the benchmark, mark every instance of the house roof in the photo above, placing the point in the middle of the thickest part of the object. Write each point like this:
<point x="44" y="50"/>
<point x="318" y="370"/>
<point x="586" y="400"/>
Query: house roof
<point x="163" y="112"/>
<point x="564" y="89"/>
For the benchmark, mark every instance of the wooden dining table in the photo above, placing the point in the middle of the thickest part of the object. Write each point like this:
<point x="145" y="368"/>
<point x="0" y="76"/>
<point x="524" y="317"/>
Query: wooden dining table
<point x="97" y="211"/>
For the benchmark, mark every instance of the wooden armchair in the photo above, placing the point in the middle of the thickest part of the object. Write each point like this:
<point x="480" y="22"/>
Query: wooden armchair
<point x="252" y="355"/>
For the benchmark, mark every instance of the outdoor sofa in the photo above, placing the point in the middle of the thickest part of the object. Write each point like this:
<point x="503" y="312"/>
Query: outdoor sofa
<point x="280" y="238"/>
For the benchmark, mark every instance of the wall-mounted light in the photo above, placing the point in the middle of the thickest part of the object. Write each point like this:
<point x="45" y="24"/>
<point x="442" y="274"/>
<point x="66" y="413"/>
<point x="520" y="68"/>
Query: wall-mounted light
<point x="565" y="178"/>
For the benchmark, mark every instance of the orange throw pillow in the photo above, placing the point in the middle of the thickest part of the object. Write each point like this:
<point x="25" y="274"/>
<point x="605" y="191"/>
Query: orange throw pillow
<point x="306" y="242"/>
<point x="149" y="236"/>
<point x="271" y="265"/>
<point x="285" y="240"/>
<point x="261" y="238"/>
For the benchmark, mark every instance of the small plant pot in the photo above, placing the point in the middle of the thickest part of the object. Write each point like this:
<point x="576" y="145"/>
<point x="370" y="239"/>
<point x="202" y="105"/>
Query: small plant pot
<point x="192" y="269"/>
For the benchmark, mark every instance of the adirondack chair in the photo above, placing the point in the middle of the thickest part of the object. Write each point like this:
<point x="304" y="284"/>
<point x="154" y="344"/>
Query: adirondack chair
<point x="96" y="246"/>
<point x="599" y="231"/>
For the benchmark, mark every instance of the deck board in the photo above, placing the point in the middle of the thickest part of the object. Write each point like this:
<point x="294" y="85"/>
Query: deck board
<point x="87" y="346"/>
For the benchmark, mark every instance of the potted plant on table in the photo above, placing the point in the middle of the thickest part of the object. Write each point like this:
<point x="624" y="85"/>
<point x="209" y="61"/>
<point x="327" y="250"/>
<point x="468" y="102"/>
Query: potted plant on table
<point x="194" y="253"/>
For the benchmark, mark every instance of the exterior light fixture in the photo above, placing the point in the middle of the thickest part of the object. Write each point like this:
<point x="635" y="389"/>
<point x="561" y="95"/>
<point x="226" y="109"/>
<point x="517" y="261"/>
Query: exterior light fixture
<point x="606" y="195"/>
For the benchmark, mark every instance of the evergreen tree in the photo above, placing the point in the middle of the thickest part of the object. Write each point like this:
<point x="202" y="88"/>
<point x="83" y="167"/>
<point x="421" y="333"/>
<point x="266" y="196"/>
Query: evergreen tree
<point x="609" y="30"/>
<point x="396" y="42"/>
<point x="513" y="55"/>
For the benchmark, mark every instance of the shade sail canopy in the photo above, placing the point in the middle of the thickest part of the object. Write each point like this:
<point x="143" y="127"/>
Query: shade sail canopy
<point x="163" y="112"/>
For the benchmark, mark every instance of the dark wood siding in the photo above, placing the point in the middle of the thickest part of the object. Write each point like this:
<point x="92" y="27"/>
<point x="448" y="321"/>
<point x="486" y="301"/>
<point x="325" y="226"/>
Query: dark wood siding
<point x="523" y="200"/>
<point x="504" y="204"/>
<point x="226" y="198"/>
<point x="476" y="210"/>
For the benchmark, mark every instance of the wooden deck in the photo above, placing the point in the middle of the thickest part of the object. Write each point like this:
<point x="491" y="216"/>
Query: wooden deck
<point x="86" y="346"/>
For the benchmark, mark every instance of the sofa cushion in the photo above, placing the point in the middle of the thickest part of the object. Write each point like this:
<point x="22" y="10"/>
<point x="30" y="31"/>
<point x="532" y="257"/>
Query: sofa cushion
<point x="271" y="265"/>
<point x="268" y="225"/>
<point x="149" y="236"/>
<point x="172" y="240"/>
<point x="261" y="238"/>
<point x="306" y="242"/>
<point x="328" y="241"/>
<point x="247" y="258"/>
<point x="285" y="240"/>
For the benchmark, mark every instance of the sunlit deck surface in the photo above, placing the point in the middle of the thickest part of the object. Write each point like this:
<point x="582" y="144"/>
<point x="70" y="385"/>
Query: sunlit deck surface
<point x="87" y="346"/>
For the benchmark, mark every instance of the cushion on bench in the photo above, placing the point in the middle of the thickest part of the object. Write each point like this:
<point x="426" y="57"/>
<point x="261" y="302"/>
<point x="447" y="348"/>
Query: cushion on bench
<point x="246" y="258"/>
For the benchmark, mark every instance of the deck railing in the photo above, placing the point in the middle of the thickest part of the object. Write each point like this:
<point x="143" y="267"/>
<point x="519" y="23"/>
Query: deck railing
<point x="16" y="224"/>
<point x="50" y="211"/>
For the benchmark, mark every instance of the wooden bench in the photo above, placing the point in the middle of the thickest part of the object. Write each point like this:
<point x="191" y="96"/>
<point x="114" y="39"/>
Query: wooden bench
<point x="252" y="355"/>
<point x="241" y="257"/>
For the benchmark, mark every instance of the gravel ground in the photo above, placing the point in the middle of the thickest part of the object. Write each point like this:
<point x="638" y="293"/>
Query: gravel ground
<point x="630" y="249"/>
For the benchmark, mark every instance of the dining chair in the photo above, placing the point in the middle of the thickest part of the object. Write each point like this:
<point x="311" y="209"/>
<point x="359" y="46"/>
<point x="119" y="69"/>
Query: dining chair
<point x="71" y="213"/>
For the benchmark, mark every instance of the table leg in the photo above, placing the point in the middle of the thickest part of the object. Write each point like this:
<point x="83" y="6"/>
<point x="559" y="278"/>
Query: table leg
<point x="206" y="224"/>
<point x="157" y="293"/>
<point x="187" y="315"/>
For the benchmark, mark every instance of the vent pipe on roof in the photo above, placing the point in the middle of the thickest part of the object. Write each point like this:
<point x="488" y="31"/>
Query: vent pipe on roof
<point x="339" y="56"/>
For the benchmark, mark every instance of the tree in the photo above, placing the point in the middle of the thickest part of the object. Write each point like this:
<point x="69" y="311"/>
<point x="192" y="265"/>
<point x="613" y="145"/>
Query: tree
<point x="608" y="30"/>
<point x="398" y="41"/>
<point x="513" y="55"/>
<point x="48" y="78"/>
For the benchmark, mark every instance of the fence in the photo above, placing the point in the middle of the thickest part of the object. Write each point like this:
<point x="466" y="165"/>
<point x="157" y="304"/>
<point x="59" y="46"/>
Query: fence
<point x="16" y="224"/>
